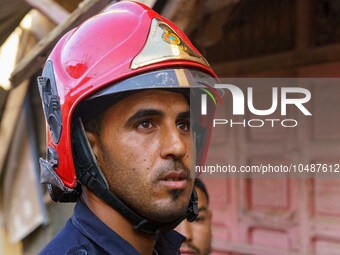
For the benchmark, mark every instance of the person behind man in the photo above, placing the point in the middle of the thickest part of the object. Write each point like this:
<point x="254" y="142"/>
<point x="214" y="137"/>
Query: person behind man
<point x="115" y="94"/>
<point x="198" y="232"/>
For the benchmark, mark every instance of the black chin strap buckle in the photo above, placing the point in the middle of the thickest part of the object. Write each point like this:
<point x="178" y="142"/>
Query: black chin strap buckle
<point x="192" y="211"/>
<point x="148" y="228"/>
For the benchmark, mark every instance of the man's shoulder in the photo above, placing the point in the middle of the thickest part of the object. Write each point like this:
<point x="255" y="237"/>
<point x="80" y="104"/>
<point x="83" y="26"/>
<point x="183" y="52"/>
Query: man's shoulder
<point x="69" y="241"/>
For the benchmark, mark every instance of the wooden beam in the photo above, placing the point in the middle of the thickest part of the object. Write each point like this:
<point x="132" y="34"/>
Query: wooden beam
<point x="11" y="13"/>
<point x="211" y="30"/>
<point x="13" y="106"/>
<point x="289" y="60"/>
<point x="38" y="55"/>
<point x="9" y="120"/>
<point x="304" y="12"/>
<point x="6" y="247"/>
<point x="239" y="67"/>
<point x="51" y="9"/>
<point x="184" y="14"/>
<point x="216" y="5"/>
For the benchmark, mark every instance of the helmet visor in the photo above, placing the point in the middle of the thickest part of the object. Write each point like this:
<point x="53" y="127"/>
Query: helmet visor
<point x="193" y="84"/>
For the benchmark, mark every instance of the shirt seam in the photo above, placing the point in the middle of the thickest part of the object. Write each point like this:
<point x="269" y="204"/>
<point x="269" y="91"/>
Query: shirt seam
<point x="77" y="224"/>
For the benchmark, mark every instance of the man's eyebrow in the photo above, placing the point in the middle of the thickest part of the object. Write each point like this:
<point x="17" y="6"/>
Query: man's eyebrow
<point x="184" y="115"/>
<point x="142" y="113"/>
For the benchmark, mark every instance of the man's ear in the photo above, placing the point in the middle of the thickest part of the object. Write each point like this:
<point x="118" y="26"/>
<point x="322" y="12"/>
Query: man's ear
<point x="94" y="142"/>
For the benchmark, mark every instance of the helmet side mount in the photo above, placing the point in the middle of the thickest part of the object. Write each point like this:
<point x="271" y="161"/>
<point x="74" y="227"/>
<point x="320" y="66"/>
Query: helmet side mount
<point x="51" y="106"/>
<point x="58" y="191"/>
<point x="50" y="101"/>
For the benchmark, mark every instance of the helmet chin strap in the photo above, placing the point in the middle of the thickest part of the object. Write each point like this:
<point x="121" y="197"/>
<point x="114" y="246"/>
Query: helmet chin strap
<point x="90" y="175"/>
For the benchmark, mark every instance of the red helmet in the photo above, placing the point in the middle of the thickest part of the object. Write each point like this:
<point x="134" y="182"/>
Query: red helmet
<point x="127" y="47"/>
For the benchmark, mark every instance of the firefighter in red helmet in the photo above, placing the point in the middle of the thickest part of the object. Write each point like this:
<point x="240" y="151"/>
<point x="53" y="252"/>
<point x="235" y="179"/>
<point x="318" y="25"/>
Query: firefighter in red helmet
<point x="116" y="97"/>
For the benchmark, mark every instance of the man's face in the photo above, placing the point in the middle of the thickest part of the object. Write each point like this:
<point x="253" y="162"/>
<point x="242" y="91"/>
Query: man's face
<point x="144" y="152"/>
<point x="198" y="233"/>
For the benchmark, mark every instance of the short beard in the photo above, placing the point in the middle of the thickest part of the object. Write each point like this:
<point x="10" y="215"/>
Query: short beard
<point x="142" y="207"/>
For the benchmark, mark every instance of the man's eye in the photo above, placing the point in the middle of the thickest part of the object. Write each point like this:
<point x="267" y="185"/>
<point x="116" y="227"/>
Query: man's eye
<point x="145" y="124"/>
<point x="184" y="125"/>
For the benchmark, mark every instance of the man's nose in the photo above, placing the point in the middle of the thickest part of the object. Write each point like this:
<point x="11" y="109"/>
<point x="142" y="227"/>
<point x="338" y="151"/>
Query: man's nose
<point x="174" y="144"/>
<point x="185" y="229"/>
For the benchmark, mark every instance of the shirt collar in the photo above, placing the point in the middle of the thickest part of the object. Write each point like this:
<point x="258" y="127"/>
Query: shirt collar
<point x="97" y="231"/>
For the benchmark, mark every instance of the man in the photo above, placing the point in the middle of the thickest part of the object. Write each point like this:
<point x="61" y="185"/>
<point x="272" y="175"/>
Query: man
<point x="116" y="102"/>
<point x="198" y="232"/>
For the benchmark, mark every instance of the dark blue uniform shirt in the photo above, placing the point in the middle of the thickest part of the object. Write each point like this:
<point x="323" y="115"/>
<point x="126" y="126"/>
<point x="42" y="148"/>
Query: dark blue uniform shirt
<point x="85" y="234"/>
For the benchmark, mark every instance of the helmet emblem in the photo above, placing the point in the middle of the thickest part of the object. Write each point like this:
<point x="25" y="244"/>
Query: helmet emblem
<point x="171" y="37"/>
<point x="163" y="44"/>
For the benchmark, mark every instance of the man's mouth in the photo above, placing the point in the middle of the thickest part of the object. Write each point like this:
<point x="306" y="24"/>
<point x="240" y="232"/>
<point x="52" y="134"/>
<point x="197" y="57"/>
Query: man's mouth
<point x="175" y="180"/>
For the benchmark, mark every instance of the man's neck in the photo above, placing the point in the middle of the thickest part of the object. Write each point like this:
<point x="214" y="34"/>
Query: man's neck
<point x="143" y="243"/>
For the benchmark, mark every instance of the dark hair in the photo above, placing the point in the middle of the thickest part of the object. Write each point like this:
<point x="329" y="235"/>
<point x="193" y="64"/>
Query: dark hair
<point x="94" y="125"/>
<point x="91" y="111"/>
<point x="199" y="184"/>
